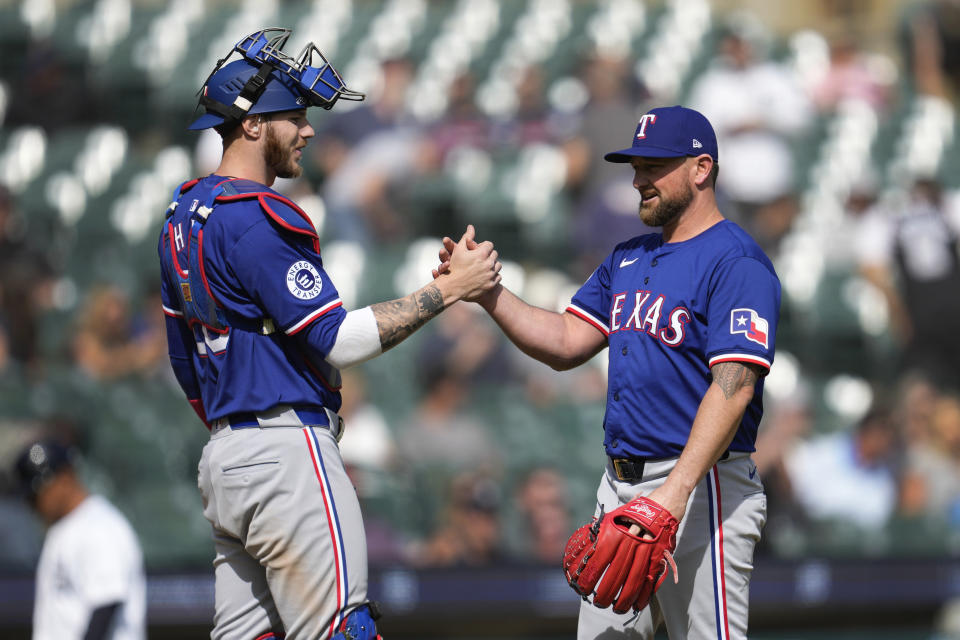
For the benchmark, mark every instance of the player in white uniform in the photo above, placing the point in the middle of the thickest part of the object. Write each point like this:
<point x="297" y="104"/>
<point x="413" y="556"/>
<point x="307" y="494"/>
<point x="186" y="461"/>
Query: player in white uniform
<point x="90" y="581"/>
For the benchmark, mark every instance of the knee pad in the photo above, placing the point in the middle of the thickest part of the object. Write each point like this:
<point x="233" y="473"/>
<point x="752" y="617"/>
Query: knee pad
<point x="360" y="624"/>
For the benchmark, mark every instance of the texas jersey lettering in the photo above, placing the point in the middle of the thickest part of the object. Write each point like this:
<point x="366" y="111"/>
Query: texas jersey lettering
<point x="646" y="315"/>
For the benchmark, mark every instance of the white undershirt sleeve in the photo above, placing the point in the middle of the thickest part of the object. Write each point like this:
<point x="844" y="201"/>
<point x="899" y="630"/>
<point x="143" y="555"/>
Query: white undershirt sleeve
<point x="357" y="341"/>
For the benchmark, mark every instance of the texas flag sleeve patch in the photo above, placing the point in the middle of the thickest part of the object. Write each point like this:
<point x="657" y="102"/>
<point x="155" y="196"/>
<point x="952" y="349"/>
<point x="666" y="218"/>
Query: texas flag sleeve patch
<point x="750" y="324"/>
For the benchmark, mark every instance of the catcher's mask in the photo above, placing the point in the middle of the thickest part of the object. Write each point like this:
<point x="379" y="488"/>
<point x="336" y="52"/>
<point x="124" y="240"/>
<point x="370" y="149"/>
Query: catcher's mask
<point x="266" y="80"/>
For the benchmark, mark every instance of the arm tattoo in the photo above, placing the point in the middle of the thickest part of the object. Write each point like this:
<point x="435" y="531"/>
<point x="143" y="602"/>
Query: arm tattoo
<point x="733" y="376"/>
<point x="398" y="319"/>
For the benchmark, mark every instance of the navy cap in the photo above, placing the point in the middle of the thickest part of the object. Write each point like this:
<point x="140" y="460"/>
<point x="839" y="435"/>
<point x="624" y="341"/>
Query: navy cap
<point x="669" y="132"/>
<point x="38" y="463"/>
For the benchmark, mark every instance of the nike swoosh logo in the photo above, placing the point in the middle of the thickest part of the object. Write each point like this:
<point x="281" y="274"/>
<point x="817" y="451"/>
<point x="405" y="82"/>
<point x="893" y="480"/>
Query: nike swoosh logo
<point x="627" y="263"/>
<point x="753" y="472"/>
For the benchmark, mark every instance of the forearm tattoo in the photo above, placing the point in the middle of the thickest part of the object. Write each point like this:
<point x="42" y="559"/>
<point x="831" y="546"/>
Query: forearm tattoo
<point x="733" y="376"/>
<point x="398" y="319"/>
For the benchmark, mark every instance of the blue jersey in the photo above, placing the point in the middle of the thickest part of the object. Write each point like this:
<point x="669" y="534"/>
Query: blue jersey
<point x="671" y="311"/>
<point x="251" y="313"/>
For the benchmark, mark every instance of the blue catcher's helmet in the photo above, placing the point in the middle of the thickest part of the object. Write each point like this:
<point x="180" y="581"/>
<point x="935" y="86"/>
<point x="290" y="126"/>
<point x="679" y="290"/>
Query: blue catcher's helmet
<point x="266" y="80"/>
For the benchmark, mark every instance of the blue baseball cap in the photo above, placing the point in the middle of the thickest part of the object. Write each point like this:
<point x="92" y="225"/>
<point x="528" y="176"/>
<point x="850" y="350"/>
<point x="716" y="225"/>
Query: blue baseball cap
<point x="669" y="132"/>
<point x="38" y="463"/>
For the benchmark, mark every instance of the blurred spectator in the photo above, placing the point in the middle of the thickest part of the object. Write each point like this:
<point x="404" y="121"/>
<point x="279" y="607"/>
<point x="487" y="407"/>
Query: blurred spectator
<point x="440" y="433"/>
<point x="930" y="34"/>
<point x="848" y="475"/>
<point x="383" y="109"/>
<point x="43" y="78"/>
<point x="542" y="501"/>
<point x="840" y="248"/>
<point x="911" y="255"/>
<point x="931" y="484"/>
<point x="148" y="328"/>
<point x="787" y="423"/>
<point x="369" y="456"/>
<point x="533" y="121"/>
<point x="852" y="75"/>
<point x="4" y="348"/>
<point x="359" y="193"/>
<point x="470" y="534"/>
<point x="25" y="292"/>
<point x="462" y="124"/>
<point x="366" y="155"/>
<point x="367" y="442"/>
<point x="25" y="283"/>
<point x="106" y="345"/>
<point x="90" y="580"/>
<point x="12" y="230"/>
<point x="465" y="343"/>
<point x="916" y="398"/>
<point x="759" y="110"/>
<point x="606" y="201"/>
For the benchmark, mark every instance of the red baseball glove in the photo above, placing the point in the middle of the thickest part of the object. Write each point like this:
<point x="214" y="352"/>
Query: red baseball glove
<point x="629" y="567"/>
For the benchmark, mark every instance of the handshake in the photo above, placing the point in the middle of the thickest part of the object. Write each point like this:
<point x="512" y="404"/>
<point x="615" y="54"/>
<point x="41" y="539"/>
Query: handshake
<point x="468" y="270"/>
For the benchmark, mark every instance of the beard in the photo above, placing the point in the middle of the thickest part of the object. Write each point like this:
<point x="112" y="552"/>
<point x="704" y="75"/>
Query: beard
<point x="667" y="210"/>
<point x="279" y="156"/>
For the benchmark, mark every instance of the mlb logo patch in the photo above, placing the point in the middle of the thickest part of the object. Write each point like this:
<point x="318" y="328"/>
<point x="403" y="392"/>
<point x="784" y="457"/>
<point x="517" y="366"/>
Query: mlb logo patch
<point x="750" y="324"/>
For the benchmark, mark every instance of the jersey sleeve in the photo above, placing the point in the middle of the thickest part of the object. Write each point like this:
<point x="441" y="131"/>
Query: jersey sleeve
<point x="591" y="303"/>
<point x="743" y="313"/>
<point x="286" y="277"/>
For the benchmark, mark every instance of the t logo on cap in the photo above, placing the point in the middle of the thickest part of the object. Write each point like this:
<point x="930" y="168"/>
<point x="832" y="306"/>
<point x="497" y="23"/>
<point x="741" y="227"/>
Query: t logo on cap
<point x="669" y="132"/>
<point x="645" y="119"/>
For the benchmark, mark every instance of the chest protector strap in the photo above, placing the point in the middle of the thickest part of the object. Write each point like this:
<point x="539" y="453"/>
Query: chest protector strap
<point x="196" y="299"/>
<point x="205" y="307"/>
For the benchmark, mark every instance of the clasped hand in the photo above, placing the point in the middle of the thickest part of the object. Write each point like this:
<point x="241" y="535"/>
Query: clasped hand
<point x="473" y="266"/>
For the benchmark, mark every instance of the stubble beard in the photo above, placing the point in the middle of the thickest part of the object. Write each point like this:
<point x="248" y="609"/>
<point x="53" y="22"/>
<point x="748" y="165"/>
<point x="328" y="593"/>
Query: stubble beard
<point x="667" y="210"/>
<point x="279" y="156"/>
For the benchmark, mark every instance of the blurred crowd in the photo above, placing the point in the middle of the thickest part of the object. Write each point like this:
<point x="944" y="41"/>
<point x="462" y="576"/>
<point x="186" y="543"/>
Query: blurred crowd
<point x="842" y="463"/>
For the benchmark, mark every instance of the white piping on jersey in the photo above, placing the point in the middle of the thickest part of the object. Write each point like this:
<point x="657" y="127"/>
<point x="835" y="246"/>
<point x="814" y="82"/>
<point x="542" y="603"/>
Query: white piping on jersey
<point x="586" y="315"/>
<point x="171" y="312"/>
<point x="739" y="357"/>
<point x="312" y="315"/>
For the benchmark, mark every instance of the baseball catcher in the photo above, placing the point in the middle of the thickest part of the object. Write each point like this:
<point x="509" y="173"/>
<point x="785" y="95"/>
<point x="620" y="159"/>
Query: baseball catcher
<point x="258" y="335"/>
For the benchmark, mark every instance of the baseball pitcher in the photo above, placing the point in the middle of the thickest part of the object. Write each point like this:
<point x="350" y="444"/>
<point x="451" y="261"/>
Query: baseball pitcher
<point x="689" y="315"/>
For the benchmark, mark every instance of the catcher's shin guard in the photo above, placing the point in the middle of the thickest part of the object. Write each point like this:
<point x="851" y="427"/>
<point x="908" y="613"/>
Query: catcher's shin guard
<point x="360" y="624"/>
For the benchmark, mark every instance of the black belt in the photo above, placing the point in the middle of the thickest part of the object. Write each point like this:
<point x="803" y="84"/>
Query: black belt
<point x="631" y="469"/>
